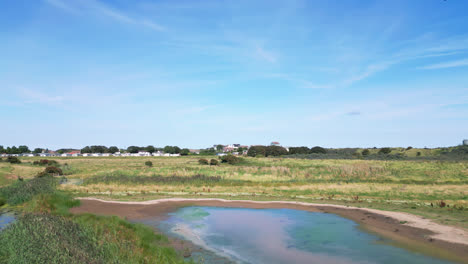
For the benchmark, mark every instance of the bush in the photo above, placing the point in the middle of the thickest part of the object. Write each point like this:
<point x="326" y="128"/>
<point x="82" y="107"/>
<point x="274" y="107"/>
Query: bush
<point x="203" y="161"/>
<point x="13" y="160"/>
<point x="213" y="162"/>
<point x="230" y="159"/>
<point x="44" y="162"/>
<point x="385" y="151"/>
<point x="318" y="150"/>
<point x="149" y="163"/>
<point x="2" y="201"/>
<point x="365" y="152"/>
<point x="53" y="170"/>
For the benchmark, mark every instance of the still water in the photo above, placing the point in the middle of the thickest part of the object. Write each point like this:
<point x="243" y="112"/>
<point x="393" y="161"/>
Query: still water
<point x="240" y="235"/>
<point x="5" y="219"/>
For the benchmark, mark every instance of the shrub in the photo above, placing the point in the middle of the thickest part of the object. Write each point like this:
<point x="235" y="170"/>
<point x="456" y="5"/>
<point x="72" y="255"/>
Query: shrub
<point x="365" y="152"/>
<point x="149" y="163"/>
<point x="385" y="151"/>
<point x="44" y="162"/>
<point x="50" y="170"/>
<point x="203" y="161"/>
<point x="408" y="148"/>
<point x="230" y="159"/>
<point x="2" y="201"/>
<point x="418" y="153"/>
<point x="213" y="162"/>
<point x="318" y="150"/>
<point x="13" y="160"/>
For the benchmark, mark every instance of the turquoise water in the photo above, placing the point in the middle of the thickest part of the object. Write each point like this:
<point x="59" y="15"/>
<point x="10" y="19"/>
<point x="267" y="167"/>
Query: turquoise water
<point x="240" y="235"/>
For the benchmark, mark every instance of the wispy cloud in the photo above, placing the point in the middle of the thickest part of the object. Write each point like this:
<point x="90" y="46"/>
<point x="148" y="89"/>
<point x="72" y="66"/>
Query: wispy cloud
<point x="443" y="65"/>
<point x="31" y="96"/>
<point x="102" y="10"/>
<point x="265" y="55"/>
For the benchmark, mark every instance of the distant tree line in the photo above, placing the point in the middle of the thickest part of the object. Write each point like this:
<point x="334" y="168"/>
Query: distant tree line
<point x="306" y="150"/>
<point x="266" y="151"/>
<point x="15" y="150"/>
<point x="135" y="149"/>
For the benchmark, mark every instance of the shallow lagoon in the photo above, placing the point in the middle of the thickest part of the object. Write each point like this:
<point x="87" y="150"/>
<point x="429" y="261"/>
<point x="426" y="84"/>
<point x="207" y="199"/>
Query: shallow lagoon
<point x="241" y="235"/>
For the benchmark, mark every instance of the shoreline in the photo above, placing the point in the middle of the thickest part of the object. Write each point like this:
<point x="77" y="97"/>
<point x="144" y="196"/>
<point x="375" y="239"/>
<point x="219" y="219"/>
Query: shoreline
<point x="409" y="231"/>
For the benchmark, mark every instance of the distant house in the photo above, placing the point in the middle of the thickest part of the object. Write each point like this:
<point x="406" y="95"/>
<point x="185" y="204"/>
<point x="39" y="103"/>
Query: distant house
<point x="106" y="154"/>
<point x="75" y="153"/>
<point x="275" y="143"/>
<point x="66" y="155"/>
<point x="175" y="155"/>
<point x="96" y="155"/>
<point x="157" y="154"/>
<point x="221" y="154"/>
<point x="194" y="151"/>
<point x="28" y="155"/>
<point x="86" y="154"/>
<point x="44" y="154"/>
<point x="143" y="154"/>
<point x="116" y="154"/>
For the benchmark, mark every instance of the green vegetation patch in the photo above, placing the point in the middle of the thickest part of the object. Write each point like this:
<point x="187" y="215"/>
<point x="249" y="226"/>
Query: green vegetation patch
<point x="23" y="191"/>
<point x="45" y="238"/>
<point x="155" y="179"/>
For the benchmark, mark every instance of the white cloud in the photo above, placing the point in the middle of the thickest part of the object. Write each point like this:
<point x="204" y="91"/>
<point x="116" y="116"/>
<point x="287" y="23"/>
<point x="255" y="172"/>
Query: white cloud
<point x="443" y="65"/>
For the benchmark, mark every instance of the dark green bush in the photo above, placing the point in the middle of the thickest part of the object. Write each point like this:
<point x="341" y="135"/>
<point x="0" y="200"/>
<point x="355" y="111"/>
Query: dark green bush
<point x="385" y="151"/>
<point x="2" y="201"/>
<point x="365" y="152"/>
<point x="213" y="162"/>
<point x="230" y="159"/>
<point x="149" y="163"/>
<point x="53" y="170"/>
<point x="13" y="160"/>
<point x="203" y="161"/>
<point x="318" y="150"/>
<point x="44" y="162"/>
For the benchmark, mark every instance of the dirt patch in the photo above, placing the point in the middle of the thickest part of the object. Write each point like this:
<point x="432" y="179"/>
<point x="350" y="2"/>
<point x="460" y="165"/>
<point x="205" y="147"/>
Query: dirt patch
<point x="409" y="231"/>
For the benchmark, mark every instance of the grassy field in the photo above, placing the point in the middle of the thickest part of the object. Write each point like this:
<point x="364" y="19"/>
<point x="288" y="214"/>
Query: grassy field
<point x="394" y="185"/>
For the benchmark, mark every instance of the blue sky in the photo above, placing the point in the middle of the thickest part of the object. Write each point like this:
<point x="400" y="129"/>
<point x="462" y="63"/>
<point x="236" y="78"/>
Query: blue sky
<point x="196" y="73"/>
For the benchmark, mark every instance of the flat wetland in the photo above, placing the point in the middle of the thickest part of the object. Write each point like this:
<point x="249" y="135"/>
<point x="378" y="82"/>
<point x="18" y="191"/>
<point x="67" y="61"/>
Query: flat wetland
<point x="434" y="190"/>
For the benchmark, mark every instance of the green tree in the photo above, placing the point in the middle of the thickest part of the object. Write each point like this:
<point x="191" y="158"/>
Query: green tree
<point x="113" y="149"/>
<point x="150" y="149"/>
<point x="318" y="150"/>
<point x="365" y="152"/>
<point x="23" y="149"/>
<point x="2" y="150"/>
<point x="219" y="148"/>
<point x="169" y="149"/>
<point x="86" y="149"/>
<point x="133" y="149"/>
<point x="184" y="151"/>
<point x="37" y="150"/>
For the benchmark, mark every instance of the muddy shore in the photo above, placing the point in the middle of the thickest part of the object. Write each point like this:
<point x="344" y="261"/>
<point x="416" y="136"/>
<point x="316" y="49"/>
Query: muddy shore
<point x="409" y="231"/>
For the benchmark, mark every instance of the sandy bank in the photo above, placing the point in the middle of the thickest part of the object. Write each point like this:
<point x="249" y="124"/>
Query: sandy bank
<point x="410" y="231"/>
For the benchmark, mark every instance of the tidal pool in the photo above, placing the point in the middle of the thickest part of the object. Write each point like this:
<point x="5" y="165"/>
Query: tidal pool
<point x="240" y="235"/>
<point x="5" y="219"/>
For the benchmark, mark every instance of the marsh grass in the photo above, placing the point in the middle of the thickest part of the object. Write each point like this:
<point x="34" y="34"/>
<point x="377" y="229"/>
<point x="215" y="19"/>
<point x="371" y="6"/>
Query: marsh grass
<point x="23" y="191"/>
